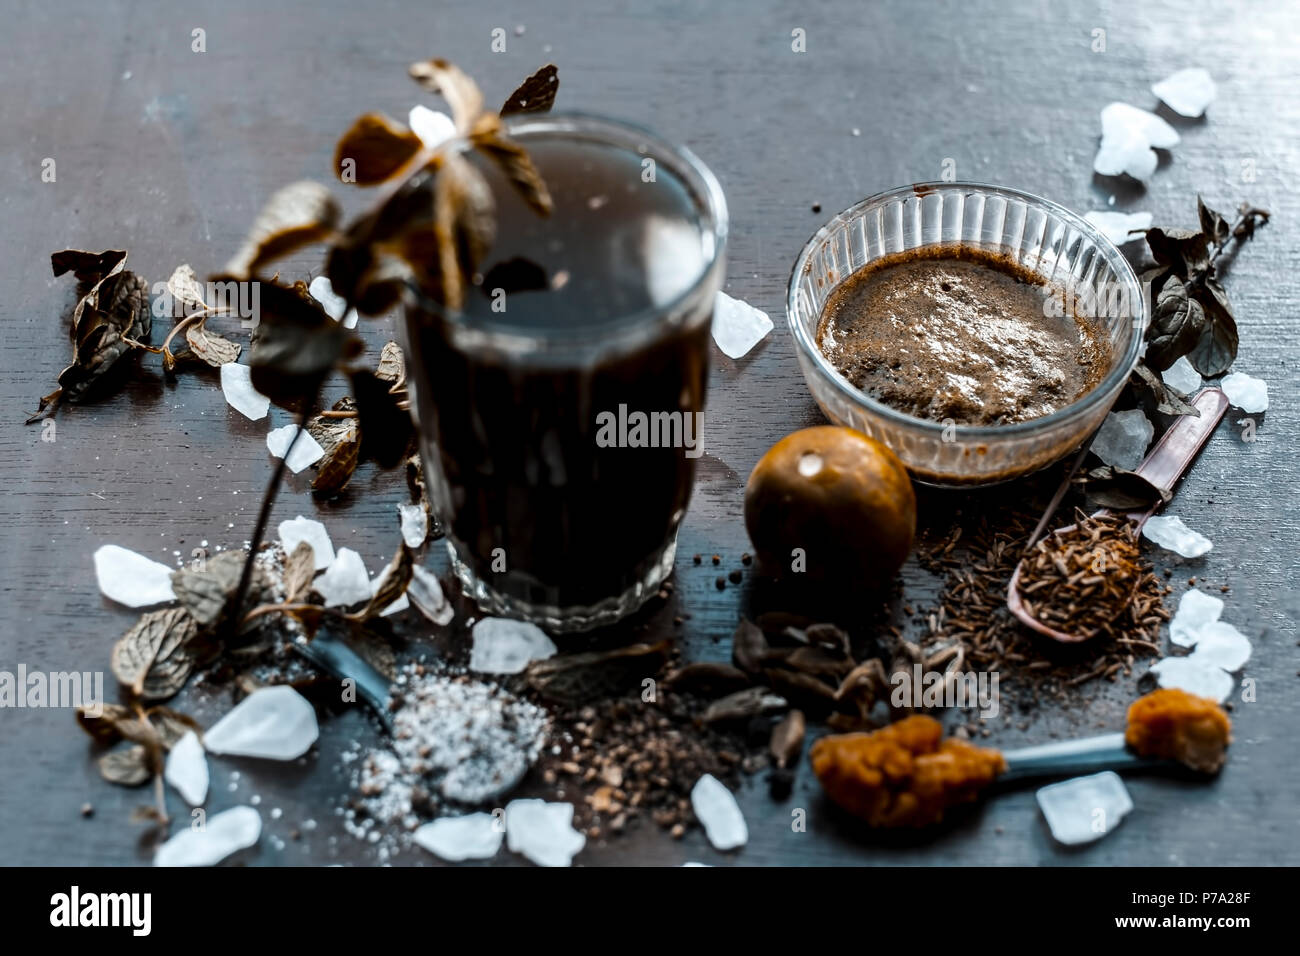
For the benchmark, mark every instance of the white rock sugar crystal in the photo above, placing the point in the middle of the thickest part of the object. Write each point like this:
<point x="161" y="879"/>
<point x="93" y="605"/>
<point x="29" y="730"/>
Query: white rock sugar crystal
<point x="504" y="646"/>
<point x="1195" y="677"/>
<point x="543" y="832"/>
<point x="237" y="387"/>
<point x="1187" y="92"/>
<point x="738" y="326"/>
<point x="1170" y="533"/>
<point x="1123" y="438"/>
<point x="475" y="836"/>
<point x="276" y="723"/>
<point x="306" y="450"/>
<point x="300" y="529"/>
<point x="425" y="592"/>
<point x="432" y="127"/>
<point x="414" y="523"/>
<point x="1086" y="808"/>
<point x="1127" y="137"/>
<point x="1196" y="609"/>
<point x="224" y="834"/>
<point x="187" y="769"/>
<point x="132" y="579"/>
<point x="1120" y="227"/>
<point x="335" y="306"/>
<point x="1222" y="645"/>
<point x="345" y="581"/>
<point x="1182" y="376"/>
<point x="1248" y="393"/>
<point x="716" y="809"/>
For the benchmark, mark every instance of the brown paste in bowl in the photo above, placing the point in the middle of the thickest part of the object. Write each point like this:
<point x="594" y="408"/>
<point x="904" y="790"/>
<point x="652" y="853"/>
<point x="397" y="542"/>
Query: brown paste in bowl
<point x="961" y="334"/>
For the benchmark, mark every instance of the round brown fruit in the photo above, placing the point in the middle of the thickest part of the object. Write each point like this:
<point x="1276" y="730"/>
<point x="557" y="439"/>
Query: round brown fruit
<point x="841" y="496"/>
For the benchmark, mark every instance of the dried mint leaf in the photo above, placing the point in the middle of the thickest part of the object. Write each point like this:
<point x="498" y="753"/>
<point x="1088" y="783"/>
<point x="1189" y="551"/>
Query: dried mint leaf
<point x="1176" y="325"/>
<point x="518" y="167"/>
<point x="299" y="571"/>
<point x="155" y="657"/>
<point x="535" y="94"/>
<point x="127" y="767"/>
<point x="1212" y="224"/>
<point x="172" y="725"/>
<point x="1216" y="349"/>
<point x="453" y="85"/>
<point x="186" y="290"/>
<point x="104" y="726"/>
<point x="211" y="347"/>
<point x="295" y="345"/>
<point x="1186" y="251"/>
<point x="1161" y="396"/>
<point x="392" y="365"/>
<point x="463" y="229"/>
<point x="207" y="592"/>
<point x="394" y="579"/>
<point x="744" y="704"/>
<point x="1122" y="490"/>
<point x="341" y="439"/>
<point x="297" y="215"/>
<point x="377" y="146"/>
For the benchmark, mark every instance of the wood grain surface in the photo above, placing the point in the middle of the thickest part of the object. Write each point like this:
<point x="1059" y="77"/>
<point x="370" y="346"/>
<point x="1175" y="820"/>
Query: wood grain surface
<point x="169" y="153"/>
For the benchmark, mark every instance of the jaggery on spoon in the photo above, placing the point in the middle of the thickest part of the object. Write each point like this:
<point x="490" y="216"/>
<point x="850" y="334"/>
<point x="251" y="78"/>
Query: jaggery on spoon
<point x="1168" y="461"/>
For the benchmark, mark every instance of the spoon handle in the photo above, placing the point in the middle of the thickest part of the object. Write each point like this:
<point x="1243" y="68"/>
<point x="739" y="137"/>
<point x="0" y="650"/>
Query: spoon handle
<point x="1066" y="758"/>
<point x="335" y="657"/>
<point x="1178" y="447"/>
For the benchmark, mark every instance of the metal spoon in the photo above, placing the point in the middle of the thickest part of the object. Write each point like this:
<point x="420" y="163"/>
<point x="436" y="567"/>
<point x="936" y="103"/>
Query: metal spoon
<point x="1172" y="455"/>
<point x="1070" y="758"/>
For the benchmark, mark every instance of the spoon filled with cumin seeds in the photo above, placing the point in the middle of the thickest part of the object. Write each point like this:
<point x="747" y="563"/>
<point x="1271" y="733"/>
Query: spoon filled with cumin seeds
<point x="1088" y="580"/>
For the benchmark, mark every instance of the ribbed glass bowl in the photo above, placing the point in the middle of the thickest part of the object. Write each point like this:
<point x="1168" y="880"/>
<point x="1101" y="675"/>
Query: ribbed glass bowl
<point x="1045" y="238"/>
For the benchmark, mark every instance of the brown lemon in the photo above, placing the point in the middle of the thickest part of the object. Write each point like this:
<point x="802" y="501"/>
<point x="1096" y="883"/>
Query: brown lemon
<point x="833" y="503"/>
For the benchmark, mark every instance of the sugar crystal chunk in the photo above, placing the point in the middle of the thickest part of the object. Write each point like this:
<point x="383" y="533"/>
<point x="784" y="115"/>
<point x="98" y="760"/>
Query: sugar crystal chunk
<point x="1123" y="438"/>
<point x="345" y="581"/>
<point x="414" y="523"/>
<point x="1195" y="677"/>
<point x="1172" y="534"/>
<point x="1187" y="92"/>
<point x="222" y="835"/>
<point x="475" y="836"/>
<point x="1182" y="376"/>
<point x="335" y="306"/>
<point x="716" y="808"/>
<point x="132" y="579"/>
<point x="425" y="592"/>
<point x="187" y="769"/>
<point x="237" y="387"/>
<point x="505" y="646"/>
<point x="300" y="529"/>
<point x="433" y="128"/>
<point x="738" y="326"/>
<point x="543" y="832"/>
<point x="276" y="723"/>
<point x="1221" y="644"/>
<point x="1084" y="809"/>
<point x="306" y="450"/>
<point x="1196" y="609"/>
<point x="1248" y="393"/>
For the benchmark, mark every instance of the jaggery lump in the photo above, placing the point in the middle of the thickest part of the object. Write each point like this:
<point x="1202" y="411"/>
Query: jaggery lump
<point x="903" y="775"/>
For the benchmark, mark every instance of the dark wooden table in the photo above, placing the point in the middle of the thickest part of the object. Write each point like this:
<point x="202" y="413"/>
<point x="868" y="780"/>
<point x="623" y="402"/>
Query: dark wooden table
<point x="169" y="153"/>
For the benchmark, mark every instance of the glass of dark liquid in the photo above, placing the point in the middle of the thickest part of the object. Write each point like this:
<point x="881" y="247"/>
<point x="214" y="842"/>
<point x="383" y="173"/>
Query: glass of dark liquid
<point x="560" y="424"/>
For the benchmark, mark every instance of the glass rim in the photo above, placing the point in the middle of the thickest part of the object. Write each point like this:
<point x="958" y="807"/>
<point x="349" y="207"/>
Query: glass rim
<point x="706" y="195"/>
<point x="1121" y="370"/>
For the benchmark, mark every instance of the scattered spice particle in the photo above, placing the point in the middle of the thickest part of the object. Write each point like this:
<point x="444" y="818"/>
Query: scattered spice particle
<point x="721" y="583"/>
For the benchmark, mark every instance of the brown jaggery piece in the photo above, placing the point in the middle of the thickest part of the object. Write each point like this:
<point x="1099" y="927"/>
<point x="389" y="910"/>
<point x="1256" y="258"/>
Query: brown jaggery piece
<point x="903" y="775"/>
<point x="1175" y="725"/>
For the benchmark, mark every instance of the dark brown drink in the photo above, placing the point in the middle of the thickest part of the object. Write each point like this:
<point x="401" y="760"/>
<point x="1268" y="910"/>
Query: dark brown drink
<point x="561" y="424"/>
